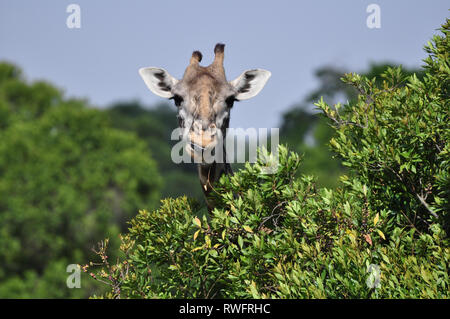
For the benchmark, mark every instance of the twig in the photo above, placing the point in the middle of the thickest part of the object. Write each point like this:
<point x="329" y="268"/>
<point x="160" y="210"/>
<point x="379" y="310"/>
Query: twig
<point x="424" y="203"/>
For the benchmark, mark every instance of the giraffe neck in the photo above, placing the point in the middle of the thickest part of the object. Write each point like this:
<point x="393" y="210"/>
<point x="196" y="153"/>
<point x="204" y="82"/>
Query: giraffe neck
<point x="210" y="173"/>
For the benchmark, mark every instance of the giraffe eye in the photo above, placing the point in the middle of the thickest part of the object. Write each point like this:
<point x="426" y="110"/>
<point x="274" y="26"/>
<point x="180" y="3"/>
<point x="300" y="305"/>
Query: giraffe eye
<point x="177" y="99"/>
<point x="230" y="101"/>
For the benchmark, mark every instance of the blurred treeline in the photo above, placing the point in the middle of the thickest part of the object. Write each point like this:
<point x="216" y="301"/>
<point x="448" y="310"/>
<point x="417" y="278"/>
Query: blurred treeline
<point x="71" y="175"/>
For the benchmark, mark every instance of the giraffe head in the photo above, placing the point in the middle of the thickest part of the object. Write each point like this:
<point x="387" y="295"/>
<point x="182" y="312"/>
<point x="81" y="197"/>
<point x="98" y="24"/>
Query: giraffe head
<point x="204" y="97"/>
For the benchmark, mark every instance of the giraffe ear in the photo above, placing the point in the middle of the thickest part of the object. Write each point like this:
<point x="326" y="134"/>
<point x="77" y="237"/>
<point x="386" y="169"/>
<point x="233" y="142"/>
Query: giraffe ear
<point x="159" y="81"/>
<point x="250" y="83"/>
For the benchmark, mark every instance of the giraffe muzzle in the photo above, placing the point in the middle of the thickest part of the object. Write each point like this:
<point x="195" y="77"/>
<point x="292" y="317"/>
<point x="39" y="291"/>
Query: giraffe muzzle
<point x="202" y="148"/>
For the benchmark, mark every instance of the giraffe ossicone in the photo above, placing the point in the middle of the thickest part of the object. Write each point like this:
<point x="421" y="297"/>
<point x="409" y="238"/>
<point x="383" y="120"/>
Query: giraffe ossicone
<point x="204" y="99"/>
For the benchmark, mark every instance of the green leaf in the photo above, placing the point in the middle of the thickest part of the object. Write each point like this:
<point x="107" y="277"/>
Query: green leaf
<point x="240" y="241"/>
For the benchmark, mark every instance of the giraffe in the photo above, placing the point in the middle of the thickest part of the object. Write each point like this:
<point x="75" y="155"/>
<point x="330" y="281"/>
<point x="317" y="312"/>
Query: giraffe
<point x="204" y="99"/>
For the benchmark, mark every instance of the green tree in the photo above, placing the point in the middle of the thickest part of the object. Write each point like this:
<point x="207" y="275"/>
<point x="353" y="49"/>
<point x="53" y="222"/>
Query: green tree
<point x="396" y="137"/>
<point x="66" y="179"/>
<point x="308" y="133"/>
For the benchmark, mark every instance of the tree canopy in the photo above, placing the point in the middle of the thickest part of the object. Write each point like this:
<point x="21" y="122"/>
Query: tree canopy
<point x="67" y="178"/>
<point x="306" y="131"/>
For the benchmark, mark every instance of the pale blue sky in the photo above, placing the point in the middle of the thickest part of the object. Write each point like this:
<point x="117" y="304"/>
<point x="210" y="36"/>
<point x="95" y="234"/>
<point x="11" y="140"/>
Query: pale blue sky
<point x="290" y="38"/>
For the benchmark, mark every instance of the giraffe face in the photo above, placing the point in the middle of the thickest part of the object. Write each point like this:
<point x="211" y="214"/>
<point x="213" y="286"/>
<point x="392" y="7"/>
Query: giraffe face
<point x="204" y="104"/>
<point x="204" y="98"/>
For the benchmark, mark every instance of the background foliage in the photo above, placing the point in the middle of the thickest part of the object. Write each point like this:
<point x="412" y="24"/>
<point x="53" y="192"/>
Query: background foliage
<point x="67" y="178"/>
